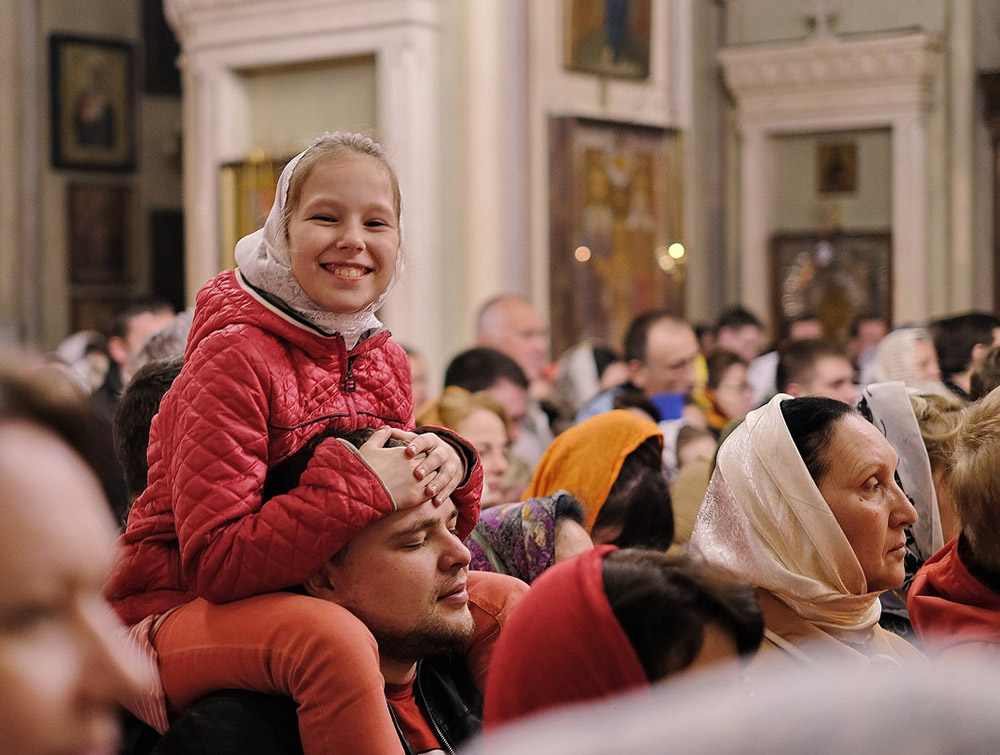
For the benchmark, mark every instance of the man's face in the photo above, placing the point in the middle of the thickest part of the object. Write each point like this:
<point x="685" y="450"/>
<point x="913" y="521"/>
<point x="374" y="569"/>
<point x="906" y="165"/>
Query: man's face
<point x="833" y="377"/>
<point x="405" y="577"/>
<point x="804" y="330"/>
<point x="671" y="349"/>
<point x="62" y="667"/>
<point x="518" y="331"/>
<point x="744" y="341"/>
<point x="140" y="328"/>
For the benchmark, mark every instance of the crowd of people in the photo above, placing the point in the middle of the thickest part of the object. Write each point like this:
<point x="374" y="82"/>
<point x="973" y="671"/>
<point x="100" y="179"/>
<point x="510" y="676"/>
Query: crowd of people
<point x="318" y="552"/>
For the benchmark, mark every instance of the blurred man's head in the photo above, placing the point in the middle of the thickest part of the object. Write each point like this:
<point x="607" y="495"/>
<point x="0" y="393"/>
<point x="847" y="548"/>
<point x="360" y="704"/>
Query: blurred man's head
<point x="660" y="350"/>
<point x="513" y="326"/>
<point x="485" y="369"/>
<point x="132" y="325"/>
<point x="962" y="340"/>
<point x="740" y="331"/>
<point x="802" y="327"/>
<point x="814" y="367"/>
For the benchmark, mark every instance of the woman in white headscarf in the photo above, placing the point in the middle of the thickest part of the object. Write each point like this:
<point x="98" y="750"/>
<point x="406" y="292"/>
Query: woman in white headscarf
<point x="907" y="355"/>
<point x="803" y="505"/>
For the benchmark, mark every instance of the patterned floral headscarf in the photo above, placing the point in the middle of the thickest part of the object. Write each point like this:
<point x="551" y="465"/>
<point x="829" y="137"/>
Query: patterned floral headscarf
<point x="519" y="539"/>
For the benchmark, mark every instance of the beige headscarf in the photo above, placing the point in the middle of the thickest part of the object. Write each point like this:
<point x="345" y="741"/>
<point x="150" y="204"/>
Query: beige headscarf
<point x="765" y="520"/>
<point x="264" y="258"/>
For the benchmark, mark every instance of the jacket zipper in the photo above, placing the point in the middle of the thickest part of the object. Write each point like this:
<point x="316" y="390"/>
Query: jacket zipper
<point x="350" y="383"/>
<point x="430" y="717"/>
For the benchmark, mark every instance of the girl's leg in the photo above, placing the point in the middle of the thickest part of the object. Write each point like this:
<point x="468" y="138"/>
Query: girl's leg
<point x="308" y="649"/>
<point x="492" y="598"/>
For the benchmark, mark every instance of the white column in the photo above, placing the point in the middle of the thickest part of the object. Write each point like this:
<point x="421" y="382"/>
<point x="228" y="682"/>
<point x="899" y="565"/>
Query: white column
<point x="909" y="220"/>
<point x="482" y="254"/>
<point x="962" y="75"/>
<point x="201" y="177"/>
<point x="407" y="87"/>
<point x="756" y="186"/>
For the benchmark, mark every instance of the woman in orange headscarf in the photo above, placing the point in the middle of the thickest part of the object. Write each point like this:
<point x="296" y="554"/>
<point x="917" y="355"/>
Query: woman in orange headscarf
<point x="612" y="464"/>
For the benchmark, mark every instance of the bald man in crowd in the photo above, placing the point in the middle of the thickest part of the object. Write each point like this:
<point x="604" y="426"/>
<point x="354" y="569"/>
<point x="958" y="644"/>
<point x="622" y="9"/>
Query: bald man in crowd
<point x="511" y="324"/>
<point x="660" y="353"/>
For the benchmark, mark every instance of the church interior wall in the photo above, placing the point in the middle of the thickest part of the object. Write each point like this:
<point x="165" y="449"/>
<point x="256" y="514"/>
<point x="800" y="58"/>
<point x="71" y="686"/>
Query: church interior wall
<point x="500" y="80"/>
<point x="42" y="290"/>
<point x="799" y="205"/>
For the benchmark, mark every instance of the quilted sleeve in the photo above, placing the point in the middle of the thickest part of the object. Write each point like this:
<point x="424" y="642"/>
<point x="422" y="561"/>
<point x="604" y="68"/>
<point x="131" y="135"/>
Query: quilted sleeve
<point x="468" y="496"/>
<point x="231" y="545"/>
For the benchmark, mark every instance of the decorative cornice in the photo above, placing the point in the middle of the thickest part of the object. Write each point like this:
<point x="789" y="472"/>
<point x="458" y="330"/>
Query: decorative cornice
<point x="902" y="69"/>
<point x="201" y="24"/>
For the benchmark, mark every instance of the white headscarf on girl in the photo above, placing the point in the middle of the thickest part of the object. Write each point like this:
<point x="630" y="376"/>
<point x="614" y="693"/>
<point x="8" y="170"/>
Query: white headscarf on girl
<point x="264" y="259"/>
<point x="764" y="519"/>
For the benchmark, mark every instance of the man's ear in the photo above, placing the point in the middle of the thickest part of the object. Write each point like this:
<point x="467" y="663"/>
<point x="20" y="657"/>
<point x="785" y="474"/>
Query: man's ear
<point x="117" y="350"/>
<point x="978" y="352"/>
<point x="636" y="373"/>
<point x="321" y="584"/>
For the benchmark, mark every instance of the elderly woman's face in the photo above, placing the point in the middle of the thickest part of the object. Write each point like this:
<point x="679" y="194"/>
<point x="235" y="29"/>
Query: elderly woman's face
<point x="61" y="665"/>
<point x="860" y="488"/>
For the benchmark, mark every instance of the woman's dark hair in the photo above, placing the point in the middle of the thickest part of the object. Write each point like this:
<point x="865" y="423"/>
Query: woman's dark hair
<point x="810" y="421"/>
<point x="663" y="601"/>
<point x="639" y="501"/>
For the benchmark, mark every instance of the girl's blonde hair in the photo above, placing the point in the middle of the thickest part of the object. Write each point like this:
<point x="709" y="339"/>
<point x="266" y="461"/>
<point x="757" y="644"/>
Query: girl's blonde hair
<point x="337" y="146"/>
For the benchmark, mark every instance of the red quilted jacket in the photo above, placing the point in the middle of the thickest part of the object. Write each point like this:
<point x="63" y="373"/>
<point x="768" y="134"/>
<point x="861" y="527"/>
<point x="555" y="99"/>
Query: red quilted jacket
<point x="255" y="386"/>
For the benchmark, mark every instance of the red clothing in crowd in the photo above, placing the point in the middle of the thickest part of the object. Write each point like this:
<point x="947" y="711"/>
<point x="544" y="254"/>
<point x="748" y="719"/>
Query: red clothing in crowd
<point x="562" y="645"/>
<point x="949" y="607"/>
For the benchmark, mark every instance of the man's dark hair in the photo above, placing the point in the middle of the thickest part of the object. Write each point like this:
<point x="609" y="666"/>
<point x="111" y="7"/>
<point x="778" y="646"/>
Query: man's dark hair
<point x="810" y="421"/>
<point x="638" y="332"/>
<point x="797" y="360"/>
<point x="481" y="368"/>
<point x="118" y="324"/>
<point x="639" y="501"/>
<point x="786" y="327"/>
<point x="663" y="602"/>
<point x="956" y="336"/>
<point x="985" y="375"/>
<point x="854" y="329"/>
<point x="139" y="403"/>
<point x="737" y="317"/>
<point x="630" y="398"/>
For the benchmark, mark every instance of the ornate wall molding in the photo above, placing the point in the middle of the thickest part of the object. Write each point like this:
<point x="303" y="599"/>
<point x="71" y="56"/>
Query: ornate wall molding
<point x="831" y="85"/>
<point x="868" y="74"/>
<point x="203" y="24"/>
<point x="222" y="40"/>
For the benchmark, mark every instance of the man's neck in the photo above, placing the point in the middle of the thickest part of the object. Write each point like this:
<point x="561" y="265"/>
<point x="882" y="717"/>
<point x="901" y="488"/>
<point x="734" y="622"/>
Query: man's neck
<point x="396" y="671"/>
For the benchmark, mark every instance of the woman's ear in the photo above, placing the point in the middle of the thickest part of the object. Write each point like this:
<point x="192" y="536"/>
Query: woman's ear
<point x="320" y="584"/>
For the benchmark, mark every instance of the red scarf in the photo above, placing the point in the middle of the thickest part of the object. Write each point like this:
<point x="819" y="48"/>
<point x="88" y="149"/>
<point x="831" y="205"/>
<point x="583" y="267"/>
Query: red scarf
<point x="562" y="645"/>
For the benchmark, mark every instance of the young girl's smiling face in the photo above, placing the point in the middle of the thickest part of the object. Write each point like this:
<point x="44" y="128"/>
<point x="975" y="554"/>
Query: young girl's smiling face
<point x="344" y="233"/>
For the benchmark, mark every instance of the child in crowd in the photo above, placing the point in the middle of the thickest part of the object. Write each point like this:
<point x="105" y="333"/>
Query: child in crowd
<point x="281" y="349"/>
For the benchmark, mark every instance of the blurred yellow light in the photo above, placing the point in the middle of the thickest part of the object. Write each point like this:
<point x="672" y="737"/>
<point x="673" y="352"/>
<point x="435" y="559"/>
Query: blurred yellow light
<point x="676" y="250"/>
<point x="582" y="254"/>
